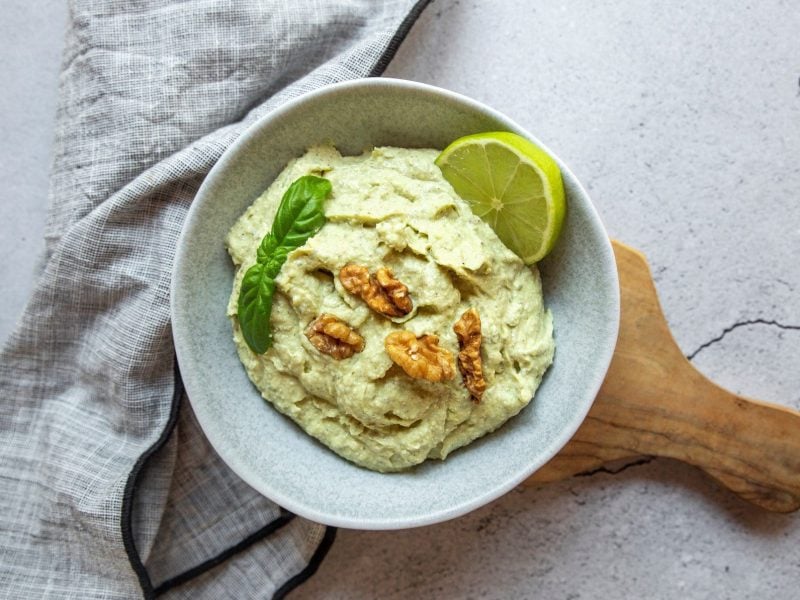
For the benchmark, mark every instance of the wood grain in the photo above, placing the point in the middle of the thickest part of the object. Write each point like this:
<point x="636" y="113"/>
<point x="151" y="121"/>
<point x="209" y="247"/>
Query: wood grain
<point x="653" y="402"/>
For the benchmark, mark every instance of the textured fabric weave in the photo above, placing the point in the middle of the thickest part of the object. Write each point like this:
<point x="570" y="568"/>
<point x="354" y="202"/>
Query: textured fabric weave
<point x="151" y="94"/>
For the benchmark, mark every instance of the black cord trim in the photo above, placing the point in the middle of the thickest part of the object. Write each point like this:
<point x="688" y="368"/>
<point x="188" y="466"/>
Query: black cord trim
<point x="126" y="520"/>
<point x="311" y="568"/>
<point x="397" y="39"/>
<point x="251" y="539"/>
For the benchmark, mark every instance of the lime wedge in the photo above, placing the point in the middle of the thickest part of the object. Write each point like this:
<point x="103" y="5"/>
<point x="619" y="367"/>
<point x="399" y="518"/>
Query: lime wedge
<point x="513" y="185"/>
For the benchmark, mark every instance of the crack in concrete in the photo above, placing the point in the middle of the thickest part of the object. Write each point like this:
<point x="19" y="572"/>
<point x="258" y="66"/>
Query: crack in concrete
<point x="636" y="463"/>
<point x="736" y="325"/>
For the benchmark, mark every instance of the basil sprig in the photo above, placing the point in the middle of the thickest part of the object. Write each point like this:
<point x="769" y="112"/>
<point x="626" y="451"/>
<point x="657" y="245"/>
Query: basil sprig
<point x="299" y="216"/>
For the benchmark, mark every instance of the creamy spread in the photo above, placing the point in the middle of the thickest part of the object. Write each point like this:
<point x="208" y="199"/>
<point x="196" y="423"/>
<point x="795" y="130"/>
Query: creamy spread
<point x="391" y="208"/>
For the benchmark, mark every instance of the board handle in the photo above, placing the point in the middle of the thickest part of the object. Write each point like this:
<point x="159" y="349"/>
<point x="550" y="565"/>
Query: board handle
<point x="654" y="402"/>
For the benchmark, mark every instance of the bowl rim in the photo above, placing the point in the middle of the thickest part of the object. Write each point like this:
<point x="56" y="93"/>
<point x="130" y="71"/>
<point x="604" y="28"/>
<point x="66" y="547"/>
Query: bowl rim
<point x="607" y="266"/>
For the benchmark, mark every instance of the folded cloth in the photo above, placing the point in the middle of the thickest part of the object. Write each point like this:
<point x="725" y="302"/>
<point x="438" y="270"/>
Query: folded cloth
<point x="109" y="489"/>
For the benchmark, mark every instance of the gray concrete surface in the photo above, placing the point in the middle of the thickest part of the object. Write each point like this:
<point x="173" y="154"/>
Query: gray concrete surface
<point x="31" y="38"/>
<point x="683" y="120"/>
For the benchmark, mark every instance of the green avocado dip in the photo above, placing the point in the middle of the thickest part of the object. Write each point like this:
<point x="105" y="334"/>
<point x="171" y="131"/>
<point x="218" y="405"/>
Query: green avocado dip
<point x="390" y="209"/>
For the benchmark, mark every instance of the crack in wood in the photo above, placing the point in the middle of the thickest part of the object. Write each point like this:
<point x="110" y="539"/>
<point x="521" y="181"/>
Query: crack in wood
<point x="636" y="463"/>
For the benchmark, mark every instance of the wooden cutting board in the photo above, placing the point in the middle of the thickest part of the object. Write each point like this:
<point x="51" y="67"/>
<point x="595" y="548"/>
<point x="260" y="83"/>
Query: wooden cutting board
<point x="653" y="402"/>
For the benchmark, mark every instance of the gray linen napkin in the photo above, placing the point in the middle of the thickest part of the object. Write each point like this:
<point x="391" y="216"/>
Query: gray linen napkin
<point x="108" y="488"/>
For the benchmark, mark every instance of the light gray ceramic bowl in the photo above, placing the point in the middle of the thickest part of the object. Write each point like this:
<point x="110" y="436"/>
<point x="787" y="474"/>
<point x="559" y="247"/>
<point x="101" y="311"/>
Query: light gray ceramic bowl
<point x="268" y="450"/>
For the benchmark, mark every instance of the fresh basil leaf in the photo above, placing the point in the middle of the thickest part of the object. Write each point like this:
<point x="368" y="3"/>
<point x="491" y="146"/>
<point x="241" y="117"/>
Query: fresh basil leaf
<point x="266" y="248"/>
<point x="255" y="307"/>
<point x="300" y="213"/>
<point x="299" y="216"/>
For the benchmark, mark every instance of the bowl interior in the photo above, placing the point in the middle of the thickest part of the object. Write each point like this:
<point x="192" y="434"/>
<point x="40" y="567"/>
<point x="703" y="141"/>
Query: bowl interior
<point x="268" y="450"/>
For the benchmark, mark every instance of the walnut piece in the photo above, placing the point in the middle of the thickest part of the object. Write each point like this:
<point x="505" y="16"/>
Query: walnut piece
<point x="468" y="331"/>
<point x="382" y="292"/>
<point x="332" y="336"/>
<point x="421" y="358"/>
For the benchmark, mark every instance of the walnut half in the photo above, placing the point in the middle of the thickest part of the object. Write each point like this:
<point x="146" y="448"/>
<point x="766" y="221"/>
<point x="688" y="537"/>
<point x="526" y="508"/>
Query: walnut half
<point x="468" y="330"/>
<point x="382" y="292"/>
<point x="421" y="358"/>
<point x="332" y="336"/>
